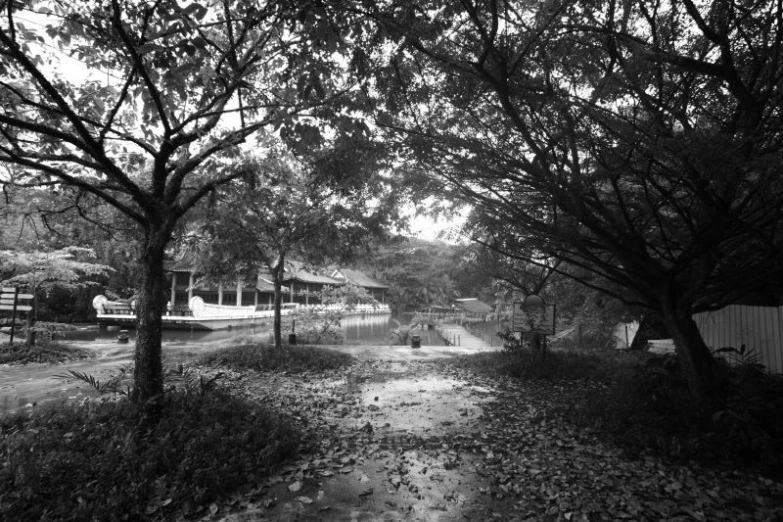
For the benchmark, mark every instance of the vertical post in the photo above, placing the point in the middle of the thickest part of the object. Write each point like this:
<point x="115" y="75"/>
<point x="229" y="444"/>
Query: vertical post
<point x="239" y="293"/>
<point x="220" y="294"/>
<point x="191" y="280"/>
<point x="173" y="296"/>
<point x="626" y="337"/>
<point x="13" y="313"/>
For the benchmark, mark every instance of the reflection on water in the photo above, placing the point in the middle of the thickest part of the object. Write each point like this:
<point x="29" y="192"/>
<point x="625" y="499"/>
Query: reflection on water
<point x="488" y="330"/>
<point x="376" y="330"/>
<point x="369" y="330"/>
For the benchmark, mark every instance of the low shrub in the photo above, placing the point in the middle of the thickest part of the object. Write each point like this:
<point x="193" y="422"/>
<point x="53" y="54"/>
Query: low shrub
<point x="55" y="327"/>
<point x="524" y="363"/>
<point x="291" y="359"/>
<point x="43" y="351"/>
<point x="651" y="410"/>
<point x="91" y="462"/>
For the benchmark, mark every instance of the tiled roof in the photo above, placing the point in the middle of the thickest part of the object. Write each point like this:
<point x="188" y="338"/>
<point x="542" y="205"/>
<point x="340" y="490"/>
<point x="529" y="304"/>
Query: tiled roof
<point x="265" y="285"/>
<point x="474" y="305"/>
<point x="298" y="273"/>
<point x="294" y="272"/>
<point x="358" y="278"/>
<point x="306" y="277"/>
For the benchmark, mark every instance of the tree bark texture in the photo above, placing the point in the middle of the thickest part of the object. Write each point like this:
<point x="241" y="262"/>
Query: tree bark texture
<point x="150" y="308"/>
<point x="695" y="357"/>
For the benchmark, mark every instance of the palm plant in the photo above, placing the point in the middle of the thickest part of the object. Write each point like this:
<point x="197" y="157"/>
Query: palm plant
<point x="402" y="333"/>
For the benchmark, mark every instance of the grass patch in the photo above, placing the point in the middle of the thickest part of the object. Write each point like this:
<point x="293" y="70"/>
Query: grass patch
<point x="90" y="462"/>
<point x="42" y="352"/>
<point x="55" y="327"/>
<point x="528" y="365"/>
<point x="291" y="359"/>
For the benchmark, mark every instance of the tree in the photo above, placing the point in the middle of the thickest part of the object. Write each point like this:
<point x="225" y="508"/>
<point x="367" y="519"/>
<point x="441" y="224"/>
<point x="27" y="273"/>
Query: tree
<point x="424" y="273"/>
<point x="177" y="89"/>
<point x="45" y="271"/>
<point x="285" y="209"/>
<point x="42" y="219"/>
<point x="317" y="325"/>
<point x="637" y="143"/>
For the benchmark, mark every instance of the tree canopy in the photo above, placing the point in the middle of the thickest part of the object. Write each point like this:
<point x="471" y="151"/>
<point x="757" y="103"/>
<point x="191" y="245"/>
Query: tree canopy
<point x="160" y="99"/>
<point x="632" y="145"/>
<point x="637" y="142"/>
<point x="286" y="208"/>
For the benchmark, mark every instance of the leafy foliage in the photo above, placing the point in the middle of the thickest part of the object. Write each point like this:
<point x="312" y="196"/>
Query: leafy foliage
<point x="520" y="361"/>
<point x="44" y="351"/>
<point x="90" y="462"/>
<point x="286" y="210"/>
<point x="321" y="325"/>
<point x="425" y="273"/>
<point x="45" y="271"/>
<point x="293" y="359"/>
<point x="116" y="384"/>
<point x="153" y="123"/>
<point x="402" y="333"/>
<point x="648" y="410"/>
<point x="636" y="143"/>
<point x="640" y="403"/>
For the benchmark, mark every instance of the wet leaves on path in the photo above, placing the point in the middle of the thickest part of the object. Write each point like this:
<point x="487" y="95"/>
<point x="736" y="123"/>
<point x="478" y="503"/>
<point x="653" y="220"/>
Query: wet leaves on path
<point x="503" y="453"/>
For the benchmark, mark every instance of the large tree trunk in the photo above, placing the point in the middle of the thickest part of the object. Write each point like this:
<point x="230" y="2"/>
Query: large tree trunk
<point x="695" y="357"/>
<point x="148" y="372"/>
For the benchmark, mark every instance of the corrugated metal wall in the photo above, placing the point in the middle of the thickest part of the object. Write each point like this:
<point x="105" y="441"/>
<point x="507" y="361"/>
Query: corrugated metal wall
<point x="759" y="328"/>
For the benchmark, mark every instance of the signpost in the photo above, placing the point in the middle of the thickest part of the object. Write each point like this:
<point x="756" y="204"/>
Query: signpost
<point x="534" y="316"/>
<point x="9" y="300"/>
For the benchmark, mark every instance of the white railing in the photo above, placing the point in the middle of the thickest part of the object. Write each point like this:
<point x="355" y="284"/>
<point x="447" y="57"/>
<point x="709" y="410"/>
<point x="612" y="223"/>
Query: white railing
<point x="202" y="310"/>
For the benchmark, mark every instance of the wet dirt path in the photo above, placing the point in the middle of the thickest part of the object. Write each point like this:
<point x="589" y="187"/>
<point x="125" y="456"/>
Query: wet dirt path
<point x="383" y="437"/>
<point x="428" y="441"/>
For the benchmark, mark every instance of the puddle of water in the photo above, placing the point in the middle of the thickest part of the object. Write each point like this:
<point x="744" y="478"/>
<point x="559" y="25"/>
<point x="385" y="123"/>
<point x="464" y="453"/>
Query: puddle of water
<point x="426" y="404"/>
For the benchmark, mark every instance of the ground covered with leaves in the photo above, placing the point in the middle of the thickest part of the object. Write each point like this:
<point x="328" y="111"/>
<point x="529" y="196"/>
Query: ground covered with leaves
<point x="438" y="441"/>
<point x="251" y="437"/>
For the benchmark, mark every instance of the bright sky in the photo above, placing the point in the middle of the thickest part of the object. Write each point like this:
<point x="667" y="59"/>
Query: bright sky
<point x="438" y="228"/>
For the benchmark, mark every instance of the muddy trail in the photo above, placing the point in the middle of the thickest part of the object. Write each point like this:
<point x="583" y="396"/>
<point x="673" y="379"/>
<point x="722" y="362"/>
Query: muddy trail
<point x="429" y="441"/>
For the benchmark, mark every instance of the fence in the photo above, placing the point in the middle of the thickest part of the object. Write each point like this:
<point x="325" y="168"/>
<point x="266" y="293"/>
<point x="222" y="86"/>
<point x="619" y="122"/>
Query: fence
<point x="759" y="328"/>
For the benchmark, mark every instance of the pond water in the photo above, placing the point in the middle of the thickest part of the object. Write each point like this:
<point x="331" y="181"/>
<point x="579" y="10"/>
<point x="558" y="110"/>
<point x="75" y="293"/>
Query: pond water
<point x="368" y="330"/>
<point x="487" y="330"/>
